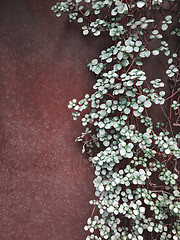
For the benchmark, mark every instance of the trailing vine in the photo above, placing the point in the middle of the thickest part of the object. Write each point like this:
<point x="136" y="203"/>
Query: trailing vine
<point x="134" y="157"/>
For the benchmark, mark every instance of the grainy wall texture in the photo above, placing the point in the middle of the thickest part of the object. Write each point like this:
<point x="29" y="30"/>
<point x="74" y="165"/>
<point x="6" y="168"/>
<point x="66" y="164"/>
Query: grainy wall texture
<point x="45" y="182"/>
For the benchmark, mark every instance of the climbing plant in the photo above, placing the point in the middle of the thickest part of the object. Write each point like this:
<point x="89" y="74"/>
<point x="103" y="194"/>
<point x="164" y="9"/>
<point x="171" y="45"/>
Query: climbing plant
<point x="134" y="157"/>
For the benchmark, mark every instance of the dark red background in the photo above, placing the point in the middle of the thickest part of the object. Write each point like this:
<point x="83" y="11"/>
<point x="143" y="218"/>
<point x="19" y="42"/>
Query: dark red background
<point x="46" y="183"/>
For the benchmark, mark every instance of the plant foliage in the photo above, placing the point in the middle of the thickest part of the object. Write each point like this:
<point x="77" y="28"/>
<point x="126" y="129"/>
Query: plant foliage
<point x="135" y="158"/>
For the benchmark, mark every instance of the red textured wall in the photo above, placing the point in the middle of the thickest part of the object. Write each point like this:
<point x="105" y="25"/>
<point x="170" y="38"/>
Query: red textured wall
<point x="45" y="182"/>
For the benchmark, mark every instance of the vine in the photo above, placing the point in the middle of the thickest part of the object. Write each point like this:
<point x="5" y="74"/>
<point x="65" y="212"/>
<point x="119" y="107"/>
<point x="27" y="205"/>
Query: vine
<point x="134" y="157"/>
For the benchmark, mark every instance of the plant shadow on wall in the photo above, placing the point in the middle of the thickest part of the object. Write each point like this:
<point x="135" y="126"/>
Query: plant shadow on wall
<point x="134" y="157"/>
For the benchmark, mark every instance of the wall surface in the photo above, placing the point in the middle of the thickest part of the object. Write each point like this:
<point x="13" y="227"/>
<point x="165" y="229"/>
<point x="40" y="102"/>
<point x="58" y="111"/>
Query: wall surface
<point x="45" y="182"/>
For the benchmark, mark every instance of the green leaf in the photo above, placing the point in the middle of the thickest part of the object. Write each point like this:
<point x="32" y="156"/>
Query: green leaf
<point x="150" y="228"/>
<point x="94" y="61"/>
<point x="147" y="53"/>
<point x="136" y="113"/>
<point x="123" y="152"/>
<point x="168" y="18"/>
<point x="97" y="70"/>
<point x="140" y="230"/>
<point x="109" y="60"/>
<point x="147" y="104"/>
<point x="58" y="14"/>
<point x="120" y="55"/>
<point x="125" y="63"/>
<point x="127" y="110"/>
<point x="80" y="20"/>
<point x="106" y="143"/>
<point x="142" y="98"/>
<point x="164" y="27"/>
<point x="140" y="4"/>
<point x="87" y="13"/>
<point x="139" y="63"/>
<point x="129" y="49"/>
<point x="97" y="33"/>
<point x="135" y="106"/>
<point x="138" y="43"/>
<point x="155" y="52"/>
<point x="139" y="83"/>
<point x="173" y="181"/>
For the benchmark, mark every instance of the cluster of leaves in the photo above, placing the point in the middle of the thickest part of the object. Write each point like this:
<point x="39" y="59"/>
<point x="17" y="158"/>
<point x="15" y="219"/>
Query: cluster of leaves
<point x="134" y="159"/>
